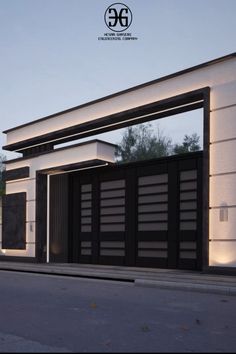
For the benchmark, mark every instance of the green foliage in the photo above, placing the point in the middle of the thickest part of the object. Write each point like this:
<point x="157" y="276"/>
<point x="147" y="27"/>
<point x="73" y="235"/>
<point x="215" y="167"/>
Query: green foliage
<point x="140" y="143"/>
<point x="190" y="143"/>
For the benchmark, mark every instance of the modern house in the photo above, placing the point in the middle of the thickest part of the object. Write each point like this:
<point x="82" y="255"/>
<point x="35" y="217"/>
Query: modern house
<point x="75" y="204"/>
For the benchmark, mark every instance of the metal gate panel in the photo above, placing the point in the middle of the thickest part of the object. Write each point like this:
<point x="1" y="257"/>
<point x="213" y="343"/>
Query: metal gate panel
<point x="190" y="214"/>
<point x="112" y="227"/>
<point x="140" y="214"/>
<point x="152" y="216"/>
<point x="82" y="219"/>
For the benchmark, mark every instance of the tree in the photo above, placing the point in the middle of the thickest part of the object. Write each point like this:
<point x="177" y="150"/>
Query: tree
<point x="190" y="143"/>
<point x="2" y="168"/>
<point x="141" y="143"/>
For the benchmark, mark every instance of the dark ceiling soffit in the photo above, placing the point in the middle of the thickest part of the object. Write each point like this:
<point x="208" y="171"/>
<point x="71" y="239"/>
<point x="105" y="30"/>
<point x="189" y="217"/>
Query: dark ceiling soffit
<point x="81" y="130"/>
<point x="76" y="166"/>
<point x="164" y="78"/>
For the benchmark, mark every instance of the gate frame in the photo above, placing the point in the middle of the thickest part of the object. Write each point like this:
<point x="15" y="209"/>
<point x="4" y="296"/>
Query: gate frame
<point x="188" y="101"/>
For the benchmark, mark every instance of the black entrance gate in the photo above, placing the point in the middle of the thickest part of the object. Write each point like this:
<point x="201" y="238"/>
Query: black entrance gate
<point x="137" y="214"/>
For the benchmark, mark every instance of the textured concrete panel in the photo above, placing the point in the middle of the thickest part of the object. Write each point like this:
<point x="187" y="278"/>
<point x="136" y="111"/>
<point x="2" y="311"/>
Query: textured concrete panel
<point x="224" y="95"/>
<point x="223" y="157"/>
<point x="222" y="190"/>
<point x="223" y="124"/>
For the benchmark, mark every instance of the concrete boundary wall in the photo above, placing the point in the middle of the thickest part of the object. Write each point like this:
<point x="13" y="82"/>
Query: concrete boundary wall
<point x="220" y="77"/>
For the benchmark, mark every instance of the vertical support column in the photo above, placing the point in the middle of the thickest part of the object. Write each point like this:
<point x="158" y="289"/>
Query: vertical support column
<point x="75" y="217"/>
<point x="200" y="225"/>
<point x="58" y="214"/>
<point x="70" y="219"/>
<point x="41" y="217"/>
<point x="206" y="177"/>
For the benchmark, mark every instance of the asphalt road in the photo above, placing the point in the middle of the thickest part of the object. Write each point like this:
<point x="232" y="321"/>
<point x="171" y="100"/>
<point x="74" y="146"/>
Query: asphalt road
<point x="40" y="313"/>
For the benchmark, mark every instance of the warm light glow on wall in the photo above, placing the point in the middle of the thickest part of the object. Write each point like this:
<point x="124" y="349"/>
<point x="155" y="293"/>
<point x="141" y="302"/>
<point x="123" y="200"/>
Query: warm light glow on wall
<point x="222" y="253"/>
<point x="223" y="259"/>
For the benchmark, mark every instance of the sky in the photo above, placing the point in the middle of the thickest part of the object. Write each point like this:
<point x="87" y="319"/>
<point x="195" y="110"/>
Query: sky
<point x="51" y="58"/>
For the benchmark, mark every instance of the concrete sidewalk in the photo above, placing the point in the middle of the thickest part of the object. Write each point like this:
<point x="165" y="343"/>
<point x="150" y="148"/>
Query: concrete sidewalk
<point x="148" y="277"/>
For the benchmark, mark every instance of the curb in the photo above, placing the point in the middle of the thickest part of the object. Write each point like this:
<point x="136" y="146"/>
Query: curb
<point x="75" y="274"/>
<point x="137" y="280"/>
<point x="201" y="288"/>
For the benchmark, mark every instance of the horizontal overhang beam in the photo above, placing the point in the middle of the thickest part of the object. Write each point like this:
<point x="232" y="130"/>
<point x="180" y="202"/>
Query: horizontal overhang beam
<point x="159" y="109"/>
